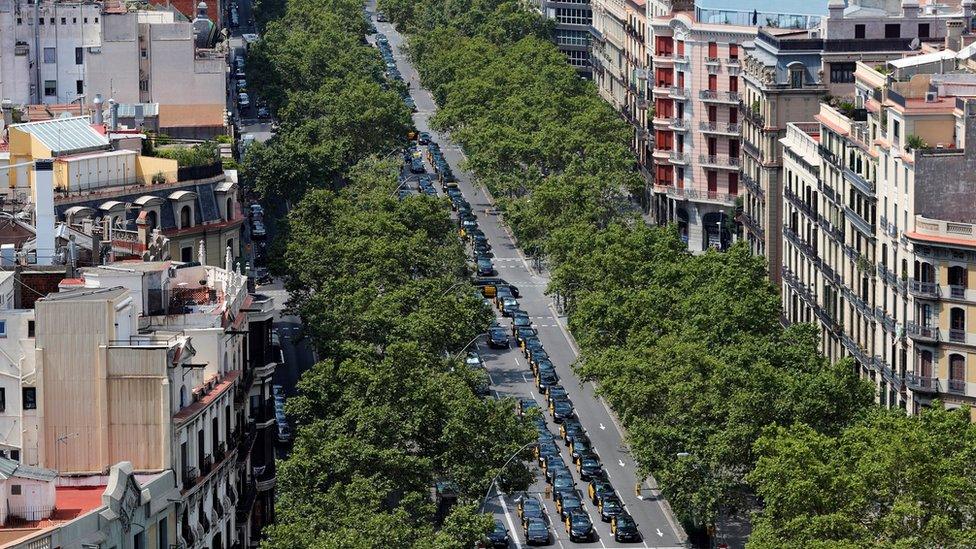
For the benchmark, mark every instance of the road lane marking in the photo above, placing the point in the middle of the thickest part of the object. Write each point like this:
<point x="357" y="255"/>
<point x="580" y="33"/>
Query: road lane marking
<point x="620" y="462"/>
<point x="660" y="533"/>
<point x="603" y="427"/>
<point x="508" y="519"/>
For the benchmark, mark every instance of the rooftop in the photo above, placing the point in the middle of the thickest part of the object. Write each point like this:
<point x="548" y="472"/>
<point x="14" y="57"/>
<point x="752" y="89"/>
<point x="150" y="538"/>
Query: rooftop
<point x="70" y="502"/>
<point x="792" y="7"/>
<point x="65" y="135"/>
<point x="87" y="294"/>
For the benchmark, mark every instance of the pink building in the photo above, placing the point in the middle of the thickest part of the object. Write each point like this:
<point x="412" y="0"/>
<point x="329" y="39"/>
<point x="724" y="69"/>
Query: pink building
<point x="695" y="89"/>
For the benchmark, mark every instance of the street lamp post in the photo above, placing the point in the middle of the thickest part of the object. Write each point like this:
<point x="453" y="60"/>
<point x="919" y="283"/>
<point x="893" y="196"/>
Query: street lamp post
<point x="451" y="287"/>
<point x="465" y="348"/>
<point x="494" y="479"/>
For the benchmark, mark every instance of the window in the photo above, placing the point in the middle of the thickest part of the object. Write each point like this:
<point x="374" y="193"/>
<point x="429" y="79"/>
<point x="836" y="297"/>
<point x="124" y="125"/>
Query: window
<point x="85" y="20"/>
<point x="15" y="455"/>
<point x="64" y="20"/>
<point x="40" y="21"/>
<point x="20" y="21"/>
<point x="859" y="31"/>
<point x="574" y="16"/>
<point x="30" y="398"/>
<point x="186" y="254"/>
<point x="15" y="490"/>
<point x="893" y="30"/>
<point x="734" y="84"/>
<point x="796" y="77"/>
<point x="50" y="87"/>
<point x="712" y="113"/>
<point x="713" y="82"/>
<point x="50" y="55"/>
<point x="733" y="148"/>
<point x="163" y="533"/>
<point x="564" y="37"/>
<point x="712" y="182"/>
<point x="30" y="328"/>
<point x="74" y="20"/>
<point x="957" y="368"/>
<point x="3" y="399"/>
<point x="733" y="183"/>
<point x="230" y="209"/>
<point x="3" y="328"/>
<point x="79" y="56"/>
<point x="712" y="146"/>
<point x="186" y="217"/>
<point x="923" y="30"/>
<point x="896" y="130"/>
<point x="144" y="85"/>
<point x="51" y="20"/>
<point x="96" y="20"/>
<point x="712" y="50"/>
<point x="842" y="73"/>
<point x="733" y="115"/>
<point x="733" y="51"/>
<point x="79" y="87"/>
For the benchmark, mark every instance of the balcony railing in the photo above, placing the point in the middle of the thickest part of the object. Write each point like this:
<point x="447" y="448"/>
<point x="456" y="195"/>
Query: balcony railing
<point x="190" y="476"/>
<point x="753" y="226"/>
<point x="924" y="333"/>
<point x="680" y="58"/>
<point x="957" y="336"/>
<point x="246" y="502"/>
<point x="752" y="114"/>
<point x="707" y="94"/>
<point x="720" y="161"/>
<point x="679" y="157"/>
<point x="679" y="124"/>
<point x="957" y="386"/>
<point x="679" y="93"/>
<point x="734" y="61"/>
<point x="923" y="289"/>
<point x="753" y="186"/>
<point x="712" y="60"/>
<point x="957" y="292"/>
<point x="693" y="194"/>
<point x="865" y="186"/>
<point x="926" y="384"/>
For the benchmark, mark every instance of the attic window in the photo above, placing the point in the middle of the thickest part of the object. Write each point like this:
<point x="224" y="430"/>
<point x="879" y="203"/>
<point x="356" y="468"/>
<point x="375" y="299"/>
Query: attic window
<point x="14" y="489"/>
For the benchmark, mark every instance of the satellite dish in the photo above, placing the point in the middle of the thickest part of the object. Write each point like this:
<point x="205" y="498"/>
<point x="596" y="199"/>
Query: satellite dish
<point x="915" y="44"/>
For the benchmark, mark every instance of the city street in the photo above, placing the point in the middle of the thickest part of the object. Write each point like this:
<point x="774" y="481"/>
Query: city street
<point x="511" y="376"/>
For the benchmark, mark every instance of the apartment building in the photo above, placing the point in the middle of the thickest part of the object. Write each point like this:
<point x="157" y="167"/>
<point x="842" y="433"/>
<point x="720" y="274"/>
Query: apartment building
<point x="166" y="366"/>
<point x="697" y="148"/>
<point x="64" y="52"/>
<point x="789" y="71"/>
<point x="619" y="59"/>
<point x="573" y="20"/>
<point x="879" y="227"/>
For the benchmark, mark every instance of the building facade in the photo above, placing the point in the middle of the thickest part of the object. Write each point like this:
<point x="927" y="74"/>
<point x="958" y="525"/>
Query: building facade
<point x="572" y="29"/>
<point x="877" y="232"/>
<point x="619" y="59"/>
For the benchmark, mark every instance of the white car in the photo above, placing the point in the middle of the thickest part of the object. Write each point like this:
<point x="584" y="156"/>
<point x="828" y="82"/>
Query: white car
<point x="243" y="100"/>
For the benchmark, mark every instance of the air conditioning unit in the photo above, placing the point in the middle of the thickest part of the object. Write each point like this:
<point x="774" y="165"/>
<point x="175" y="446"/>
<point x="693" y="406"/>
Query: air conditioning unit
<point x="940" y="145"/>
<point x="931" y="97"/>
<point x="815" y="34"/>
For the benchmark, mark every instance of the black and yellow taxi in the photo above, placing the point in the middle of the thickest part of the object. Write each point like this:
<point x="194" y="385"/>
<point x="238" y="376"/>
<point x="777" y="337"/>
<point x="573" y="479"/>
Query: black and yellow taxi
<point x="623" y="528"/>
<point x="579" y="526"/>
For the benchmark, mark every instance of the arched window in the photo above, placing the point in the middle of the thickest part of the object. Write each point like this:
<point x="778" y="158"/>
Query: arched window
<point x="230" y="209"/>
<point x="957" y="373"/>
<point x="957" y="319"/>
<point x="152" y="220"/>
<point x="957" y="276"/>
<point x="186" y="217"/>
<point x="925" y="364"/>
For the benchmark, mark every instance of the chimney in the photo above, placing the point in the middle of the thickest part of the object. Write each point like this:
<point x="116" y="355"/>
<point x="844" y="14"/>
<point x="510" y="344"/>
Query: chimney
<point x="8" y="112"/>
<point x="97" y="116"/>
<point x="835" y="9"/>
<point x="114" y="125"/>
<point x="44" y="210"/>
<point x="910" y="9"/>
<point x="954" y="28"/>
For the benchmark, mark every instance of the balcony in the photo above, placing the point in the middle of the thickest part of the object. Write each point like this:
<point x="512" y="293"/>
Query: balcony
<point x="723" y="162"/>
<point x="957" y="292"/>
<point x="719" y="128"/>
<point x="701" y="196"/>
<point x="922" y="333"/>
<point x="921" y="384"/>
<point x="752" y="114"/>
<point x="753" y="186"/>
<point x="680" y="58"/>
<point x="679" y="157"/>
<point x="190" y="476"/>
<point x="957" y="336"/>
<point x="957" y="386"/>
<point x="713" y="61"/>
<point x="859" y="223"/>
<point x="679" y="93"/>
<point x="926" y="290"/>
<point x="798" y="203"/>
<point x="752" y="225"/>
<point x="245" y="441"/>
<point x="205" y="522"/>
<point x="733" y="61"/>
<point x="245" y="503"/>
<point x="829" y="156"/>
<point x="679" y="124"/>
<point x="865" y="186"/>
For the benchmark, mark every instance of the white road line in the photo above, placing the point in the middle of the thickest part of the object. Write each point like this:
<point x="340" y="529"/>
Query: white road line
<point x="508" y="519"/>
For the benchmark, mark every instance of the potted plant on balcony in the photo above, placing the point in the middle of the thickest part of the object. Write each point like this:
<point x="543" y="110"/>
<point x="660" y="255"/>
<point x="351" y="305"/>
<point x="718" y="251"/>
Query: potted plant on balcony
<point x="913" y="142"/>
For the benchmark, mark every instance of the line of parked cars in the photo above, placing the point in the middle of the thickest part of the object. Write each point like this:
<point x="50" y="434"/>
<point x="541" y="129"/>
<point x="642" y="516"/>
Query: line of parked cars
<point x="392" y="72"/>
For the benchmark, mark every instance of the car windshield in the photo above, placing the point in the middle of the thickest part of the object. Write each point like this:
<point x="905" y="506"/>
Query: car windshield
<point x="624" y="521"/>
<point x="499" y="333"/>
<point x="590" y="462"/>
<point x="580" y="519"/>
<point x="531" y="504"/>
<point x="611" y="503"/>
<point x="536" y="527"/>
<point x="571" y="502"/>
<point x="500" y="528"/>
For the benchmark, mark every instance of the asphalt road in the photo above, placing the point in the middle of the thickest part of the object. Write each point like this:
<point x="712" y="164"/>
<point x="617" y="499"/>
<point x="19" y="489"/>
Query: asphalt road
<point x="510" y="375"/>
